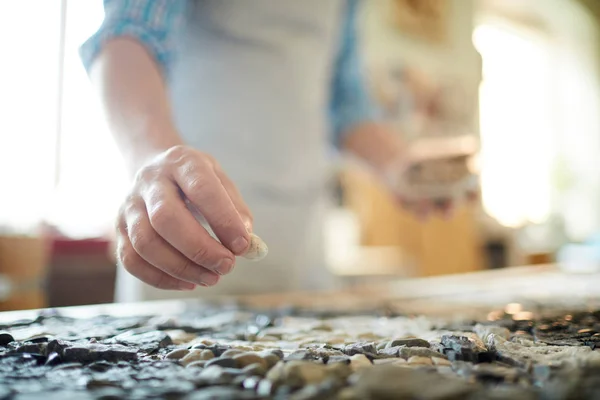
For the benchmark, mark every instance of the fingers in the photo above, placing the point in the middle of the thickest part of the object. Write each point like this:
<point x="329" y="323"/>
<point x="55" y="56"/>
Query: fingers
<point x="201" y="185"/>
<point x="157" y="252"/>
<point x="236" y="198"/>
<point x="169" y="217"/>
<point x="138" y="267"/>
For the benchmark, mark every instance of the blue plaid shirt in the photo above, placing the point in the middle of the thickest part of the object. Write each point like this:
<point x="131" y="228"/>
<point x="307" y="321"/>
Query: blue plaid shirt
<point x="152" y="22"/>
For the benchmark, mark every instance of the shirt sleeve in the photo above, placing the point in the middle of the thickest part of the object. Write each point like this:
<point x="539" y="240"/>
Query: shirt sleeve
<point x="151" y="22"/>
<point x="351" y="102"/>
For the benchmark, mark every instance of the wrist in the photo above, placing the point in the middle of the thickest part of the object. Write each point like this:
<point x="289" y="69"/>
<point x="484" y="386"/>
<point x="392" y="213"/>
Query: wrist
<point x="376" y="144"/>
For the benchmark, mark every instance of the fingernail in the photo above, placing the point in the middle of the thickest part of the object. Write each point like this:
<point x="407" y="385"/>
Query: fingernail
<point x="239" y="245"/>
<point x="224" y="267"/>
<point x="187" y="286"/>
<point x="248" y="225"/>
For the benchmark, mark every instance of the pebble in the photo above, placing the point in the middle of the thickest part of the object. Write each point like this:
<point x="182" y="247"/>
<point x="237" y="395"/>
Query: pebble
<point x="177" y="354"/>
<point x="245" y="359"/>
<point x="197" y="355"/>
<point x="231" y="353"/>
<point x="196" y="364"/>
<point x="390" y="361"/>
<point x="440" y="361"/>
<point x="408" y="352"/>
<point x="359" y="361"/>
<point x="5" y="338"/>
<point x="420" y="360"/>
<point x="297" y="373"/>
<point x="255" y="370"/>
<point x="224" y="362"/>
<point x="411" y="342"/>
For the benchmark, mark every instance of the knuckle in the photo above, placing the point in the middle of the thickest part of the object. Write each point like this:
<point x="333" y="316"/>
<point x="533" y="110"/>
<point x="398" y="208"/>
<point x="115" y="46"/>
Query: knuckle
<point x="129" y="260"/>
<point x="182" y="270"/>
<point x="201" y="256"/>
<point x="142" y="242"/>
<point x="198" y="184"/>
<point x="176" y="153"/>
<point x="161" y="215"/>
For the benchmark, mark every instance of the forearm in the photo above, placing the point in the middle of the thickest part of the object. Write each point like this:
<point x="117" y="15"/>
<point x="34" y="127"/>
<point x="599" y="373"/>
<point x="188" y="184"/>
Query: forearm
<point x="134" y="98"/>
<point x="375" y="143"/>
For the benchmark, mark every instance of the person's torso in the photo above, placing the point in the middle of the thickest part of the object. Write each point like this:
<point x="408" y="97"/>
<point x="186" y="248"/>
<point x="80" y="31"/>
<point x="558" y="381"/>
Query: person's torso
<point x="251" y="86"/>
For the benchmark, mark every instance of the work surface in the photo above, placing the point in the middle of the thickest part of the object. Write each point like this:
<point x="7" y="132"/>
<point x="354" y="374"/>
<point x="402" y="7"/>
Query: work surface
<point x="525" y="333"/>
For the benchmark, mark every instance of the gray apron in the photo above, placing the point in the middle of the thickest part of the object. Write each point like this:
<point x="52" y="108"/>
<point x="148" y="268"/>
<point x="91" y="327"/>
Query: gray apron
<point x="251" y="86"/>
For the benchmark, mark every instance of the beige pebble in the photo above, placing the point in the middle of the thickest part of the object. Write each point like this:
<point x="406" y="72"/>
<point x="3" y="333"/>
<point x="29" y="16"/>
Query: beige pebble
<point x="359" y="361"/>
<point x="246" y="359"/>
<point x="255" y="369"/>
<point x="196" y="364"/>
<point x="179" y="336"/>
<point x="258" y="249"/>
<point x="177" y="354"/>
<point x="197" y="355"/>
<point x="420" y="360"/>
<point x="441" y="361"/>
<point x="231" y="352"/>
<point x="270" y="359"/>
<point x="391" y="361"/>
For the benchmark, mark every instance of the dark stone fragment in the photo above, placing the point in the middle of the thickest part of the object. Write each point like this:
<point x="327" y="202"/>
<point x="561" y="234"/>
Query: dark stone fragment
<point x="33" y="348"/>
<point x="38" y="339"/>
<point x="97" y="352"/>
<point x="408" y="343"/>
<point x="221" y="362"/>
<point x="283" y="392"/>
<point x="486" y="356"/>
<point x="146" y="340"/>
<point x="199" y="346"/>
<point x="361" y="348"/>
<point x="57" y="346"/>
<point x="53" y="359"/>
<point x="5" y="338"/>
<point x="459" y="348"/>
<point x="338" y="359"/>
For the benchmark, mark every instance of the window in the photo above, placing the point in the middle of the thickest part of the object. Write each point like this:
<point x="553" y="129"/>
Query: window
<point x="517" y="124"/>
<point x="58" y="160"/>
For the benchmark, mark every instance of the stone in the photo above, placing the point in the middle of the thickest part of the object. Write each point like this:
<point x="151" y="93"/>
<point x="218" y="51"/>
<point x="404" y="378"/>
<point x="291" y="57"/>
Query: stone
<point x="391" y="382"/>
<point x="391" y="361"/>
<point x="408" y="352"/>
<point x="95" y="352"/>
<point x="196" y="364"/>
<point x="231" y="352"/>
<point x="416" y="360"/>
<point x="245" y="359"/>
<point x="297" y="373"/>
<point x="442" y="362"/>
<point x="177" y="354"/>
<point x="224" y="362"/>
<point x="256" y="369"/>
<point x="411" y="342"/>
<point x="359" y="361"/>
<point x="5" y="338"/>
<point x="196" y="355"/>
<point x="360" y="348"/>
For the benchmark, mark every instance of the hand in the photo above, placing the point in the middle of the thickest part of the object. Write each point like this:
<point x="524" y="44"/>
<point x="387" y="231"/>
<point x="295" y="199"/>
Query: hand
<point x="159" y="240"/>
<point x="428" y="186"/>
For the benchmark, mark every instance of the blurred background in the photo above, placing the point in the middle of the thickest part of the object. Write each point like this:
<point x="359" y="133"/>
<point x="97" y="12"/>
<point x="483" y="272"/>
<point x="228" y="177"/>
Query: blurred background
<point x="522" y="75"/>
